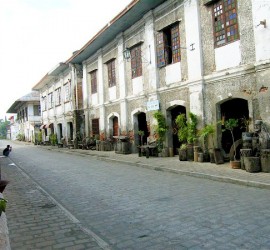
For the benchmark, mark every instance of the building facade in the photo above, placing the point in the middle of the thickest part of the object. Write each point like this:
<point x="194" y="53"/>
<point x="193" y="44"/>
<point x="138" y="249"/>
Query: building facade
<point x="28" y="117"/>
<point x="61" y="101"/>
<point x="208" y="57"/>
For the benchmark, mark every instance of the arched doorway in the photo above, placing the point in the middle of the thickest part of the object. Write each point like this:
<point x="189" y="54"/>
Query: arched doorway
<point x="70" y="130"/>
<point x="237" y="109"/>
<point x="59" y="131"/>
<point x="115" y="126"/>
<point x="174" y="112"/>
<point x="142" y="126"/>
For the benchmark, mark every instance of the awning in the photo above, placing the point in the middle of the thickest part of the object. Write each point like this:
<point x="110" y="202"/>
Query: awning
<point x="42" y="126"/>
<point x="49" y="125"/>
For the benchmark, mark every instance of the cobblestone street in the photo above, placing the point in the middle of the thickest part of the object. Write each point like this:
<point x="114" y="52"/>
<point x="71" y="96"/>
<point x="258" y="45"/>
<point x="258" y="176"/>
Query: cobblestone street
<point x="76" y="201"/>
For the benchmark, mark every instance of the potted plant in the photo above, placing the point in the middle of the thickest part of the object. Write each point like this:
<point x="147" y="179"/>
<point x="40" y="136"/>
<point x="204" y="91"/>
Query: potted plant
<point x="230" y="124"/>
<point x="183" y="152"/>
<point x="246" y="135"/>
<point x="161" y="129"/>
<point x="207" y="136"/>
<point x="53" y="139"/>
<point x="187" y="132"/>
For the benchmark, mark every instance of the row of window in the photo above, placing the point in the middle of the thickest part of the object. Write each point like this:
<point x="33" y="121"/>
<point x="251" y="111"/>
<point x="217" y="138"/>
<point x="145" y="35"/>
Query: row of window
<point x="168" y="42"/>
<point x="23" y="113"/>
<point x="48" y="101"/>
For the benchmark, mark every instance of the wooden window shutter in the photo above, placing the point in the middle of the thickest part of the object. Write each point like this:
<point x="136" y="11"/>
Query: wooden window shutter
<point x="161" y="50"/>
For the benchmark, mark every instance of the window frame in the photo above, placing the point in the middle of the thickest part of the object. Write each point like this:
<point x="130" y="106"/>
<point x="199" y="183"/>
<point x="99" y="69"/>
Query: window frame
<point x="50" y="100"/>
<point x="93" y="81"/>
<point x="67" y="87"/>
<point x="136" y="61"/>
<point x="58" y="97"/>
<point x="111" y="73"/>
<point x="168" y="45"/>
<point x="95" y="126"/>
<point x="44" y="103"/>
<point x="221" y="17"/>
<point x="36" y="110"/>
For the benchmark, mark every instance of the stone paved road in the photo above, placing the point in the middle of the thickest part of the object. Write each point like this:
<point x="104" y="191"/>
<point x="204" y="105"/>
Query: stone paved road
<point x="128" y="207"/>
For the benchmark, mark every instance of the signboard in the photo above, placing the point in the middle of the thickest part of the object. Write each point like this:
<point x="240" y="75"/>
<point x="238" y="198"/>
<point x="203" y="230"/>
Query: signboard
<point x="153" y="105"/>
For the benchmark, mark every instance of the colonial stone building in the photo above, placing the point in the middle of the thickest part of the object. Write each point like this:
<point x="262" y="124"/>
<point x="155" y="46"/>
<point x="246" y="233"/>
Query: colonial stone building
<point x="61" y="99"/>
<point x="27" y="123"/>
<point x="208" y="57"/>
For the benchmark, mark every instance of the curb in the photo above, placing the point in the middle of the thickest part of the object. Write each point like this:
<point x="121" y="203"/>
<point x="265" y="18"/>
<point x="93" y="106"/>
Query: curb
<point x="171" y="170"/>
<point x="194" y="174"/>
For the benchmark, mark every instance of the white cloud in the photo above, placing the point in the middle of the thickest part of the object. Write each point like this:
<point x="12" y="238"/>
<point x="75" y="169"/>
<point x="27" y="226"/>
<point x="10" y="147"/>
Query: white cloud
<point x="36" y="35"/>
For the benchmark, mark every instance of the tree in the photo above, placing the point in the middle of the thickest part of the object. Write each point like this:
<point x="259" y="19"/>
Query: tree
<point x="3" y="128"/>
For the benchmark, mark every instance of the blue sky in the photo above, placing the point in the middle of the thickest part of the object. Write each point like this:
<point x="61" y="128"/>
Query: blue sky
<point x="35" y="35"/>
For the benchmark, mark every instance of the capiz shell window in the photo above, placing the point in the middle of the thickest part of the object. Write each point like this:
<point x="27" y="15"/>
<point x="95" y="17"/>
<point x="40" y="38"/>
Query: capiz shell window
<point x="58" y="96"/>
<point x="136" y="61"/>
<point x="225" y="22"/>
<point x="93" y="76"/>
<point x="168" y="46"/>
<point x="111" y="73"/>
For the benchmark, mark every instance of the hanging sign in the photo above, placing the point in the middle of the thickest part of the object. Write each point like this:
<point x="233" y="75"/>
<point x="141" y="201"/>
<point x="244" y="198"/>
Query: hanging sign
<point x="153" y="105"/>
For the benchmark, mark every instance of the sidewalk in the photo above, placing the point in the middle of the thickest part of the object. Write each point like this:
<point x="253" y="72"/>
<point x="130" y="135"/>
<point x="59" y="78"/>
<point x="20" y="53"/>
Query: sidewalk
<point x="212" y="171"/>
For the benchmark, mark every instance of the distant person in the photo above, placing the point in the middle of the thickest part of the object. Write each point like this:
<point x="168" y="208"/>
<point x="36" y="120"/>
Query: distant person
<point x="7" y="150"/>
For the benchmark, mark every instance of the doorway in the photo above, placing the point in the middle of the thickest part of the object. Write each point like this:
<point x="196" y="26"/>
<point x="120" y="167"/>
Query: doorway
<point x="233" y="109"/>
<point x="142" y="126"/>
<point x="174" y="112"/>
<point x="115" y="126"/>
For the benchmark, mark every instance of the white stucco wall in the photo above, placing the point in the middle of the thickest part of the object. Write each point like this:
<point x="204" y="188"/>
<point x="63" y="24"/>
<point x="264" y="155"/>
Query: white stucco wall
<point x="228" y="56"/>
<point x="192" y="27"/>
<point x="261" y="12"/>
<point x="137" y="85"/>
<point x="173" y="73"/>
<point x="112" y="93"/>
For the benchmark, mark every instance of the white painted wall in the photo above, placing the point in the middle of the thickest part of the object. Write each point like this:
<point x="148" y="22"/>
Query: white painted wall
<point x="192" y="27"/>
<point x="137" y="85"/>
<point x="150" y="51"/>
<point x="228" y="56"/>
<point x="173" y="73"/>
<point x="112" y="93"/>
<point x="261" y="12"/>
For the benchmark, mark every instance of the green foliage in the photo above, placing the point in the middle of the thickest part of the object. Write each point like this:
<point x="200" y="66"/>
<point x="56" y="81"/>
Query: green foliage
<point x="208" y="132"/>
<point x="161" y="128"/>
<point x="3" y="129"/>
<point x="183" y="146"/>
<point x="192" y="128"/>
<point x="141" y="133"/>
<point x="187" y="129"/>
<point x="53" y="139"/>
<point x="181" y="123"/>
<point x="20" y="137"/>
<point x="245" y="123"/>
<point x="39" y="136"/>
<point x="3" y="204"/>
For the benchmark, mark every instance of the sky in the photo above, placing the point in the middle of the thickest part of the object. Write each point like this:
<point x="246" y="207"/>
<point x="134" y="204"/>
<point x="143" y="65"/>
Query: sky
<point x="36" y="35"/>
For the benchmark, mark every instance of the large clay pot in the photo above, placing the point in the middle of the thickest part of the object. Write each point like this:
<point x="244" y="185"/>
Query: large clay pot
<point x="190" y="152"/>
<point x="182" y="154"/>
<point x="252" y="164"/>
<point x="235" y="164"/>
<point x="265" y="160"/>
<point x="200" y="157"/>
<point x="244" y="152"/>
